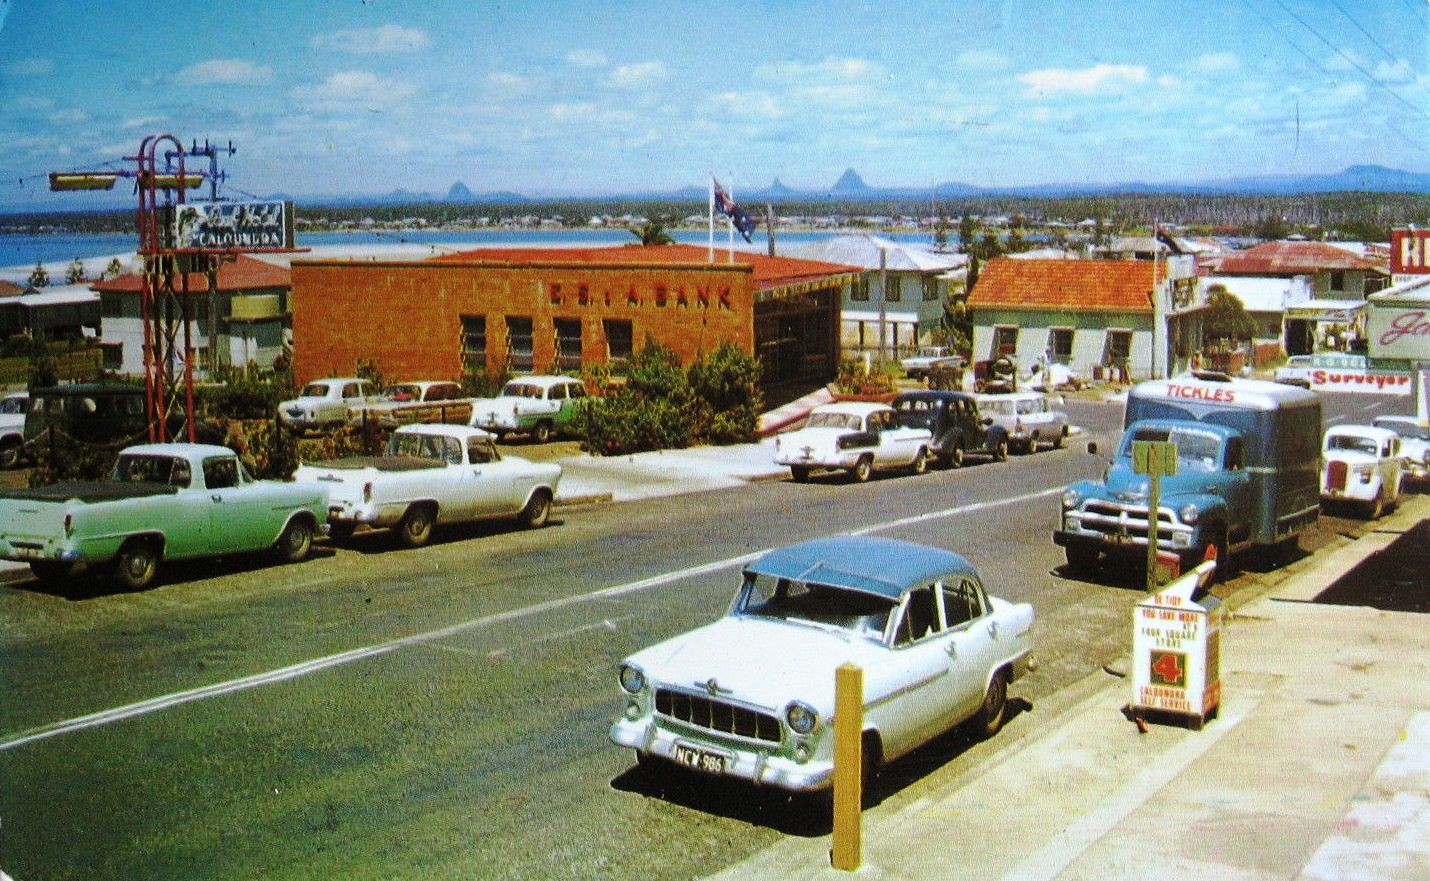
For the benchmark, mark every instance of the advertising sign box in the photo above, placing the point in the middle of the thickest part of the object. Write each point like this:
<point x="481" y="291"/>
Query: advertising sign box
<point x="1176" y="651"/>
<point x="222" y="226"/>
<point x="1409" y="251"/>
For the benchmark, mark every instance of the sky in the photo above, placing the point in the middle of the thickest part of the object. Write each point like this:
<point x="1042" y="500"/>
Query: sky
<point x="576" y="98"/>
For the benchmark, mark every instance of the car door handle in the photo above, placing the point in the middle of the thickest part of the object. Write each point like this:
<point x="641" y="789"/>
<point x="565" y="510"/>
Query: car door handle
<point x="216" y="497"/>
<point x="952" y="649"/>
<point x="993" y="629"/>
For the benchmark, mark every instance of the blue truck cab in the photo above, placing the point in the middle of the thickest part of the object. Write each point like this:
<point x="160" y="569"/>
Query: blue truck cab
<point x="1248" y="452"/>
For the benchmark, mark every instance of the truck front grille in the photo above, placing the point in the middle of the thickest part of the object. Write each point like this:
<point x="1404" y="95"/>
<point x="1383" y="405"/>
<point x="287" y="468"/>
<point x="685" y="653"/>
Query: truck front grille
<point x="1129" y="520"/>
<point x="717" y="715"/>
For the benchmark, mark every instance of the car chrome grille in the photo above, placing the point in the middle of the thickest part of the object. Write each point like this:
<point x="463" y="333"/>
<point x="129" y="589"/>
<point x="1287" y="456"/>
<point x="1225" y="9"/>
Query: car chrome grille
<point x="717" y="715"/>
<point x="1336" y="475"/>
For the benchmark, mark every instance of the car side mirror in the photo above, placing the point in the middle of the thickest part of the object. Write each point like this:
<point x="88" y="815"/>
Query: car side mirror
<point x="987" y="420"/>
<point x="1092" y="447"/>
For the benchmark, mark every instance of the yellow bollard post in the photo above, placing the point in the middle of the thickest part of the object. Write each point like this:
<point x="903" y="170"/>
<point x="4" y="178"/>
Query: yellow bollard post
<point x="847" y="853"/>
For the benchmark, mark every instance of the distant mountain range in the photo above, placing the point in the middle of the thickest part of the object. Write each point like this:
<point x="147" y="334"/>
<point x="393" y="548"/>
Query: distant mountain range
<point x="850" y="187"/>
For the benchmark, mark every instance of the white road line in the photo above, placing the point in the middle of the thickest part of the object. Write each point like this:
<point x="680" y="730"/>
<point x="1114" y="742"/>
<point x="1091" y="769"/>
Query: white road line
<point x="153" y="705"/>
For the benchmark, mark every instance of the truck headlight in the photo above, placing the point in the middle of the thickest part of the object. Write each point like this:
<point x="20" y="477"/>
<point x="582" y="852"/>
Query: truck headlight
<point x="1188" y="513"/>
<point x="801" y="717"/>
<point x="632" y="679"/>
<point x="1366" y="472"/>
<point x="1071" y="499"/>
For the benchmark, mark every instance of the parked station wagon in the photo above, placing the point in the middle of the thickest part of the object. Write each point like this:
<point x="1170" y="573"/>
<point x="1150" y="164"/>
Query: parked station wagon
<point x="751" y="696"/>
<point x="537" y="406"/>
<point x="1030" y="418"/>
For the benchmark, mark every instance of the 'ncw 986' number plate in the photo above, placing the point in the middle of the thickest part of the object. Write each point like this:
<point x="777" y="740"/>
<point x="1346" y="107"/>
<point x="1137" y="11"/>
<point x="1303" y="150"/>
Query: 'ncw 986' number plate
<point x="701" y="759"/>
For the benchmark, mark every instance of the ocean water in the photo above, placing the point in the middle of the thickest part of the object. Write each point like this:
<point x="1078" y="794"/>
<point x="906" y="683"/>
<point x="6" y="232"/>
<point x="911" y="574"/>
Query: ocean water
<point x="19" y="253"/>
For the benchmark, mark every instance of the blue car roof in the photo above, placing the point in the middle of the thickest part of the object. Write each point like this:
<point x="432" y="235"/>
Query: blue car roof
<point x="882" y="566"/>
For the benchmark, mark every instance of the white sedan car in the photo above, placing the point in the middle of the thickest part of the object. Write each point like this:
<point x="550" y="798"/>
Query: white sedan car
<point x="853" y="436"/>
<point x="752" y="695"/>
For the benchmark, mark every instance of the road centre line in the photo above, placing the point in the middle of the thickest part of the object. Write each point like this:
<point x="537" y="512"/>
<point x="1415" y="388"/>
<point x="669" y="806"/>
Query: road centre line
<point x="178" y="698"/>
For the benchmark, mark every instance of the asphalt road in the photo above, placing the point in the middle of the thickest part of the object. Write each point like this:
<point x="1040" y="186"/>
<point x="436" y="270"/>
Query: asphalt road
<point x="441" y="713"/>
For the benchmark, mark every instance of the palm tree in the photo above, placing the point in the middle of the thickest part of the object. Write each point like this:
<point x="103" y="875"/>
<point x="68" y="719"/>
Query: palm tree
<point x="652" y="232"/>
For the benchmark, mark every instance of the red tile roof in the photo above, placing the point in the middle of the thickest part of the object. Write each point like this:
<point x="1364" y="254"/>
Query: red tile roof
<point x="1292" y="258"/>
<point x="243" y="274"/>
<point x="10" y="289"/>
<point x="1109" y="285"/>
<point x="767" y="272"/>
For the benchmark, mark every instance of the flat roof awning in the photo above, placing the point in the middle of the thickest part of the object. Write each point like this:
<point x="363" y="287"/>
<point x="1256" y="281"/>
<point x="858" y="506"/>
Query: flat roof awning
<point x="1327" y="310"/>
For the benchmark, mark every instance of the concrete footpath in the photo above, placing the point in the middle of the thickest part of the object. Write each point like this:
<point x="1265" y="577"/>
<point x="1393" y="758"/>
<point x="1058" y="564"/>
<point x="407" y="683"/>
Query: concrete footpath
<point x="586" y="478"/>
<point x="1316" y="768"/>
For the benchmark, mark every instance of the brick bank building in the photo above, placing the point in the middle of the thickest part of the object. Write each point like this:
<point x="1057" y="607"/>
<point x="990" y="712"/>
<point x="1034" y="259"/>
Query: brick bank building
<point x="557" y="310"/>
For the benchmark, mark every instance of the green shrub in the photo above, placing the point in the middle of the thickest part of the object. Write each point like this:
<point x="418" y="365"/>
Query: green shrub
<point x="663" y="406"/>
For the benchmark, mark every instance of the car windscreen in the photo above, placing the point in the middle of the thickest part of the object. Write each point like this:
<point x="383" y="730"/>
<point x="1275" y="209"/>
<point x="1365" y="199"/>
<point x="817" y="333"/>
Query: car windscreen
<point x="1352" y="443"/>
<point x="783" y="599"/>
<point x="833" y="420"/>
<point x="1196" y="450"/>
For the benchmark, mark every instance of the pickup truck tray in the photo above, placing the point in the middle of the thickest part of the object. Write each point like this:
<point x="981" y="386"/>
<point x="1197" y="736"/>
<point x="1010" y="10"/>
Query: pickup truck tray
<point x="91" y="491"/>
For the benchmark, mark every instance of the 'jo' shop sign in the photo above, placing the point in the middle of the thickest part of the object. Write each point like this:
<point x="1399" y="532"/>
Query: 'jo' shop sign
<point x="1399" y="333"/>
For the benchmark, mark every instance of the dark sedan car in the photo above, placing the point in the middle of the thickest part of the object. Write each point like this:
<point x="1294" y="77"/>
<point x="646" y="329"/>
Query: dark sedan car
<point x="958" y="428"/>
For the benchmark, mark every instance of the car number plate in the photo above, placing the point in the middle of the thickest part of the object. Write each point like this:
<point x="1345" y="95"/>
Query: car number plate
<point x="701" y="759"/>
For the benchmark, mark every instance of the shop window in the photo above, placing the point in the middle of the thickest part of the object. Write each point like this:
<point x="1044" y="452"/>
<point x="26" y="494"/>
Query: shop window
<point x="620" y="343"/>
<point x="1060" y="344"/>
<point x="568" y="344"/>
<point x="859" y="290"/>
<point x="474" y="343"/>
<point x="1005" y="341"/>
<point x="520" y="354"/>
<point x="930" y="288"/>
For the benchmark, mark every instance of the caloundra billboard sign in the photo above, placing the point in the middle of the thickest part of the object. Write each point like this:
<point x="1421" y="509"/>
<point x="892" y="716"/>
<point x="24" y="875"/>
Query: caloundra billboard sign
<point x="231" y="226"/>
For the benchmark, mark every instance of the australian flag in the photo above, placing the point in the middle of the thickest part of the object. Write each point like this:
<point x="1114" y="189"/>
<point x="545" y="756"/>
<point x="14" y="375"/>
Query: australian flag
<point x="726" y="206"/>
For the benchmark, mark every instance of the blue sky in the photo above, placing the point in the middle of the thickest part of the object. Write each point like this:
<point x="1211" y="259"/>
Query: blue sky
<point x="561" y="98"/>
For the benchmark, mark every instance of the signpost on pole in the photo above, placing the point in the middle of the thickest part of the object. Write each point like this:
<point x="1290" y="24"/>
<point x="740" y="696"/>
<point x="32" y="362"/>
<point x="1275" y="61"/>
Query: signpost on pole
<point x="1156" y="459"/>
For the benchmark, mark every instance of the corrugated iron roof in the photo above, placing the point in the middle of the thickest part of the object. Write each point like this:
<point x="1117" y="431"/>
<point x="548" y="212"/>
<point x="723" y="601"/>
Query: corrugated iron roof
<point x="1292" y="258"/>
<point x="244" y="273"/>
<point x="1113" y="285"/>
<point x="864" y="250"/>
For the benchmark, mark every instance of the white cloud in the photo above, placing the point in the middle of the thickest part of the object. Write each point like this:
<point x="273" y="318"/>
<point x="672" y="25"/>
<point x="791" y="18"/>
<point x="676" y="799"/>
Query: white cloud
<point x="748" y="104"/>
<point x="510" y="83"/>
<point x="586" y="58"/>
<point x="631" y="76"/>
<point x="388" y="39"/>
<point x="351" y="89"/>
<point x="982" y="59"/>
<point x="30" y="67"/>
<point x="831" y="68"/>
<point x="69" y="115"/>
<point x="142" y="122"/>
<point x="226" y="72"/>
<point x="1398" y="72"/>
<point x="1216" y="62"/>
<point x="1087" y="81"/>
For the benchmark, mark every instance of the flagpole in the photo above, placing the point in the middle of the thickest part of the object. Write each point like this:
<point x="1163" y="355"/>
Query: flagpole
<point x="710" y="250"/>
<point x="730" y="223"/>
